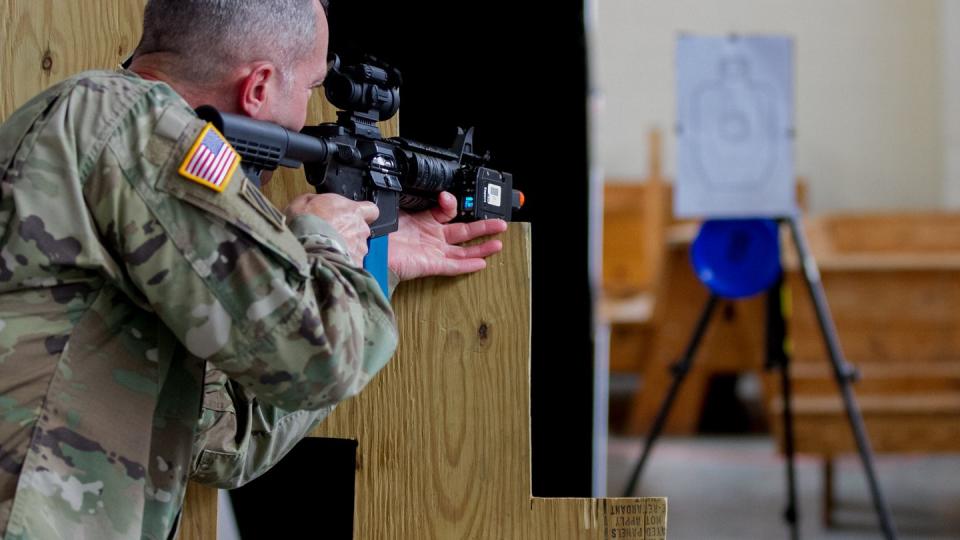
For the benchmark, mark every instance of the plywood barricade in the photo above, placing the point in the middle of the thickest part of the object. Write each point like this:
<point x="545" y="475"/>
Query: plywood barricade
<point x="444" y="430"/>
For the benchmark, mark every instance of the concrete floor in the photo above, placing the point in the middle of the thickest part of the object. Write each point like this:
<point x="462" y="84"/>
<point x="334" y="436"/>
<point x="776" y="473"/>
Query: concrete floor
<point x="735" y="487"/>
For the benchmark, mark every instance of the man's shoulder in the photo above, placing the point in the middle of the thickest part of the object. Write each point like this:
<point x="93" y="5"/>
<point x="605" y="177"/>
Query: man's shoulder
<point x="91" y="102"/>
<point x="109" y="84"/>
<point x="119" y="92"/>
<point x="114" y="80"/>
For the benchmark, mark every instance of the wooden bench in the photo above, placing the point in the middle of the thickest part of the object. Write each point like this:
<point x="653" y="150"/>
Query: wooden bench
<point x="893" y="285"/>
<point x="633" y="247"/>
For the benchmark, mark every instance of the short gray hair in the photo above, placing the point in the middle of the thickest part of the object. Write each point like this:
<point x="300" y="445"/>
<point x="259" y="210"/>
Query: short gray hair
<point x="214" y="36"/>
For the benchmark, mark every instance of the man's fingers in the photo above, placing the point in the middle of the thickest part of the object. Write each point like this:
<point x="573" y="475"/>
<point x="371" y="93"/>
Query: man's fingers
<point x="455" y="267"/>
<point x="446" y="209"/>
<point x="479" y="251"/>
<point x="464" y="232"/>
<point x="368" y="211"/>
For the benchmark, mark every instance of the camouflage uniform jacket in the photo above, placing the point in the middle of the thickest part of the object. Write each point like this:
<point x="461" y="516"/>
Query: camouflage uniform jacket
<point x="120" y="280"/>
<point x="239" y="437"/>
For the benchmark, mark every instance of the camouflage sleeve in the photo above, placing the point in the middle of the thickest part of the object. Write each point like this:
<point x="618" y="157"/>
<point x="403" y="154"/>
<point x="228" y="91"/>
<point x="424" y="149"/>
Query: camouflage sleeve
<point x="393" y="281"/>
<point x="239" y="438"/>
<point x="279" y="309"/>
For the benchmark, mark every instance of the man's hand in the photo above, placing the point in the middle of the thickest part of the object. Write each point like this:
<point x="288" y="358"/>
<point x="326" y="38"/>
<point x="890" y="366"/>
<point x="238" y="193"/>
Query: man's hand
<point x="351" y="219"/>
<point x="425" y="244"/>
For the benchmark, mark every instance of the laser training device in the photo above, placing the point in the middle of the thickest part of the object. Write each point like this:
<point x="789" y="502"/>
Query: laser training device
<point x="350" y="157"/>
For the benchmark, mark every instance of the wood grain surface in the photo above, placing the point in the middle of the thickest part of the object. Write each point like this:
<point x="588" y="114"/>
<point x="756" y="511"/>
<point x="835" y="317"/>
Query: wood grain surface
<point x="200" y="508"/>
<point x="444" y="430"/>
<point x="45" y="41"/>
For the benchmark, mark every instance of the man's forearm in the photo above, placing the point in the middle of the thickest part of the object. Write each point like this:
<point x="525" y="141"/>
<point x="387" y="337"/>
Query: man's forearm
<point x="240" y="438"/>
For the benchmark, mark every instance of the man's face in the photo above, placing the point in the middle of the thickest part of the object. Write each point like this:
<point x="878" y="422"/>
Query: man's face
<point x="287" y="105"/>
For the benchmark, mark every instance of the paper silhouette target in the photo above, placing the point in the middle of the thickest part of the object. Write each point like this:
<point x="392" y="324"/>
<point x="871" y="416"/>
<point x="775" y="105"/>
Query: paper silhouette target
<point x="735" y="129"/>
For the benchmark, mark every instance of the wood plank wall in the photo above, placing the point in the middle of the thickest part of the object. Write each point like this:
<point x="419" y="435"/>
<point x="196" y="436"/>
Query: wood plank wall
<point x="444" y="430"/>
<point x="45" y="41"/>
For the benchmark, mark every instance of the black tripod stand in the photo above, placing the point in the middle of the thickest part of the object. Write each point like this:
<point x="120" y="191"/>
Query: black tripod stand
<point x="777" y="358"/>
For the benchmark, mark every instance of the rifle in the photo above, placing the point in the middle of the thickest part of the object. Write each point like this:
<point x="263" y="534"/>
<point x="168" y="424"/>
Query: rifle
<point x="351" y="157"/>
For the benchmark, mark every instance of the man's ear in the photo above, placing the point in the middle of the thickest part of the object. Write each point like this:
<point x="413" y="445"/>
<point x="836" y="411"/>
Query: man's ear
<point x="254" y="89"/>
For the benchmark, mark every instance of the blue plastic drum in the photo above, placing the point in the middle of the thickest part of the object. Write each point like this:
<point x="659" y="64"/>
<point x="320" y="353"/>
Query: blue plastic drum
<point x="737" y="258"/>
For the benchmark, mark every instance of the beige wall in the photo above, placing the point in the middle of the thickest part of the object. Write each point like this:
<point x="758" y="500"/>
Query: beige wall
<point x="950" y="38"/>
<point x="870" y="90"/>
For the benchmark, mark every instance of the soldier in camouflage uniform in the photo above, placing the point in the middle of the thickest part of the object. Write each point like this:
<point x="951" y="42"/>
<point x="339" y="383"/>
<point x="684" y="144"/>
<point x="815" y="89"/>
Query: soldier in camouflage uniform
<point x="154" y="327"/>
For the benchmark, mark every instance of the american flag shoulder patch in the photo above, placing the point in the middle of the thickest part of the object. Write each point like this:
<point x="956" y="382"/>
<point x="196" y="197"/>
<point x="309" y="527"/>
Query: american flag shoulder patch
<point x="211" y="161"/>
